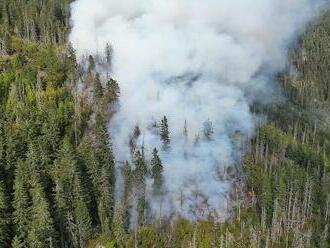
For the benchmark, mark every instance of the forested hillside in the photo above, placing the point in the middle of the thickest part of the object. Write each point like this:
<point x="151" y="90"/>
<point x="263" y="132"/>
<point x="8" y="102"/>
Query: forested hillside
<point x="57" y="168"/>
<point x="39" y="21"/>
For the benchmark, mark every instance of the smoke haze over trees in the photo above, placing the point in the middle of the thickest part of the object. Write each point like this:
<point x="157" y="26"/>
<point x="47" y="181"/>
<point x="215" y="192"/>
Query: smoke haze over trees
<point x="180" y="63"/>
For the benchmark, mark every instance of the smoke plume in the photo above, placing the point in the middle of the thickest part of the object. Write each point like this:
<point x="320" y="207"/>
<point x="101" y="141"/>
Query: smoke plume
<point x="199" y="63"/>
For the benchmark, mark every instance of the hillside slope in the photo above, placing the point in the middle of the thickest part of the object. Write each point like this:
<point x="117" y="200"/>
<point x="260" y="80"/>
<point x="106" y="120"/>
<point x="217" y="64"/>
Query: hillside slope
<point x="57" y="176"/>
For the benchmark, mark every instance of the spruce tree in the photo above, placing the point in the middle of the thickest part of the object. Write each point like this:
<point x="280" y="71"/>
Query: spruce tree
<point x="140" y="177"/>
<point x="88" y="156"/>
<point x="157" y="173"/>
<point x="71" y="58"/>
<point x="4" y="197"/>
<point x="64" y="179"/>
<point x="164" y="133"/>
<point x="4" y="217"/>
<point x="106" y="199"/>
<point x="127" y="174"/>
<point x="112" y="90"/>
<point x="98" y="89"/>
<point x="141" y="168"/>
<point x="72" y="197"/>
<point x="41" y="232"/>
<point x="21" y="204"/>
<point x="108" y="54"/>
<point x="83" y="222"/>
<point x="72" y="64"/>
<point x="118" y="225"/>
<point x="128" y="177"/>
<point x="106" y="188"/>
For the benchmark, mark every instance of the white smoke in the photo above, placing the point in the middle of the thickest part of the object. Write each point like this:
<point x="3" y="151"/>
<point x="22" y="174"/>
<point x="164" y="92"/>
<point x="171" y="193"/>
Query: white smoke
<point x="191" y="61"/>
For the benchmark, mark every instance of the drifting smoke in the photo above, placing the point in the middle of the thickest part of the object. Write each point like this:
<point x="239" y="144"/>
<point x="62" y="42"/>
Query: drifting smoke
<point x="197" y="62"/>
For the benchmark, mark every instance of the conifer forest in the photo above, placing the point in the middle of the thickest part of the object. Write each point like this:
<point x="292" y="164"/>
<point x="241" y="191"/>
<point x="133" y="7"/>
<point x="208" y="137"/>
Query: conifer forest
<point x="164" y="123"/>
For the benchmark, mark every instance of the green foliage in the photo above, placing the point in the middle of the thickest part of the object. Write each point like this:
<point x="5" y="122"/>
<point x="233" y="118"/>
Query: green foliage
<point x="41" y="159"/>
<point x="140" y="173"/>
<point x="57" y="168"/>
<point x="106" y="187"/>
<point x="4" y="217"/>
<point x="83" y="222"/>
<point x="112" y="91"/>
<point x="21" y="204"/>
<point x="41" y="230"/>
<point x="44" y="21"/>
<point x="157" y="173"/>
<point x="98" y="89"/>
<point x="165" y="133"/>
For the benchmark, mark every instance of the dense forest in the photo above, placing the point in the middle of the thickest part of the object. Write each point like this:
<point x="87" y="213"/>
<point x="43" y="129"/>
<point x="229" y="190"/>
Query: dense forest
<point x="57" y="167"/>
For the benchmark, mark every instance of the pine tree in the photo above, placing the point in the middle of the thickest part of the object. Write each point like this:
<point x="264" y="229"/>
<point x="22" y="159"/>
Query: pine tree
<point x="157" y="173"/>
<point x="164" y="133"/>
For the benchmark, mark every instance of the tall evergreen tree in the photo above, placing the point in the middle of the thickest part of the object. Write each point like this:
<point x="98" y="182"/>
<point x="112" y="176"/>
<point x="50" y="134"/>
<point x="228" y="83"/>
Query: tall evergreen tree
<point x="208" y="130"/>
<point x="118" y="225"/>
<point x="91" y="63"/>
<point x="64" y="178"/>
<point x="83" y="222"/>
<point x="165" y="133"/>
<point x="98" y="89"/>
<point x="108" y="54"/>
<point x="112" y="90"/>
<point x="4" y="197"/>
<point x="41" y="232"/>
<point x="157" y="173"/>
<point x="21" y="204"/>
<point x="106" y="188"/>
<point x="106" y="199"/>
<point x="4" y="217"/>
<point x="128" y="177"/>
<point x="141" y="171"/>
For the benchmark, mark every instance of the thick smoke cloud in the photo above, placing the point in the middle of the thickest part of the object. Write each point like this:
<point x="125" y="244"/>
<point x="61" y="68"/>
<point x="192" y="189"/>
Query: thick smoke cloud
<point x="192" y="61"/>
